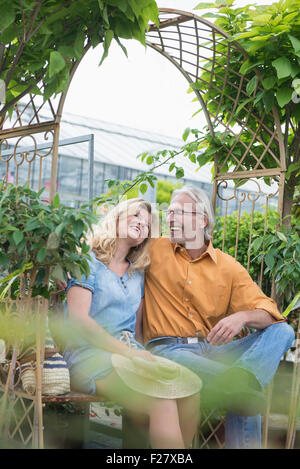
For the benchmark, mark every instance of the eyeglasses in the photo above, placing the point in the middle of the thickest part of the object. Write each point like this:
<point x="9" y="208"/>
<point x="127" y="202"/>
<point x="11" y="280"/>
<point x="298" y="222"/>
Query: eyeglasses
<point x="180" y="213"/>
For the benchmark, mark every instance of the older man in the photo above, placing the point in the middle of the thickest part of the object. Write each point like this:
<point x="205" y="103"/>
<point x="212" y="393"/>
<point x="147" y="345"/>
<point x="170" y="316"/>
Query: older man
<point x="197" y="300"/>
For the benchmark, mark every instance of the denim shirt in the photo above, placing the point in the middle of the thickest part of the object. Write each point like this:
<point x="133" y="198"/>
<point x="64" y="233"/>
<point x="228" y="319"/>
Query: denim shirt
<point x="115" y="299"/>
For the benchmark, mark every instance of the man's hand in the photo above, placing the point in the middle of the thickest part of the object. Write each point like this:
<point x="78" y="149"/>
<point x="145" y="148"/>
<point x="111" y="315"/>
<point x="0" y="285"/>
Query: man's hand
<point x="227" y="328"/>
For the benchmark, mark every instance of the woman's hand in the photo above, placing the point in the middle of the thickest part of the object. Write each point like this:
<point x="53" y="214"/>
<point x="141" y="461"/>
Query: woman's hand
<point x="144" y="354"/>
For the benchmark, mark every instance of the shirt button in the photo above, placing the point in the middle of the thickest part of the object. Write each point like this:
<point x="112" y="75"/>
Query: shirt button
<point x="191" y="315"/>
<point x="189" y="282"/>
<point x="187" y="299"/>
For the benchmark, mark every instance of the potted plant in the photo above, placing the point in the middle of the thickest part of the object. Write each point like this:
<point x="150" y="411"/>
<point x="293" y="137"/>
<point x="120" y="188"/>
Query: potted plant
<point x="40" y="242"/>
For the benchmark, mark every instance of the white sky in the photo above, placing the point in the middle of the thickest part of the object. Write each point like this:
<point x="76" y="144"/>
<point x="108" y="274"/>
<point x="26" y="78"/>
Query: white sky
<point x="143" y="91"/>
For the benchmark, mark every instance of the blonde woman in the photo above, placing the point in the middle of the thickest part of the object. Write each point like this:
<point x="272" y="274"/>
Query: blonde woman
<point x="106" y="306"/>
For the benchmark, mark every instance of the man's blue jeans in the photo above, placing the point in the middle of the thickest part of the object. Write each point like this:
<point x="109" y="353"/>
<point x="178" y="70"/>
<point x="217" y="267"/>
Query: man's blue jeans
<point x="259" y="353"/>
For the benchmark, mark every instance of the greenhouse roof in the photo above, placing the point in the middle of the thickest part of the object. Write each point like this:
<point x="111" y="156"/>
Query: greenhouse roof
<point x="119" y="145"/>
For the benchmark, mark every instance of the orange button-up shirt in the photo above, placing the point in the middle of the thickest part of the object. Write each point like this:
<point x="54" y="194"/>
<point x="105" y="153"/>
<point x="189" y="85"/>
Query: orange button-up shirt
<point x="186" y="298"/>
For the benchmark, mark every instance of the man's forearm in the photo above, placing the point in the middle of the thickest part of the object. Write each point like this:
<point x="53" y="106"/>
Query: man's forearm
<point x="257" y="318"/>
<point x="230" y="326"/>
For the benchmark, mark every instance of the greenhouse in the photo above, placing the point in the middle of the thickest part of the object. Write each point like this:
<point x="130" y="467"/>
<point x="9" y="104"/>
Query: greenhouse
<point x="92" y="151"/>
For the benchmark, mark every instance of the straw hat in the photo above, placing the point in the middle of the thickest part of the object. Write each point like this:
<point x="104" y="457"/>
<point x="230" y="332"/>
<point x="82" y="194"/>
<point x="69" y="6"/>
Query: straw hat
<point x="160" y="378"/>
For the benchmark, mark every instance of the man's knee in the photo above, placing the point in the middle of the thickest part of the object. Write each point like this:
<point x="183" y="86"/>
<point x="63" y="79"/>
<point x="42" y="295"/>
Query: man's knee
<point x="284" y="332"/>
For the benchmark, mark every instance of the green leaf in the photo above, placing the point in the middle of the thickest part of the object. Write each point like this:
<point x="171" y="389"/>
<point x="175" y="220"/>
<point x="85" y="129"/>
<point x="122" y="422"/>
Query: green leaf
<point x="293" y="305"/>
<point x="268" y="100"/>
<point x="263" y="19"/>
<point x="7" y="16"/>
<point x="179" y="173"/>
<point x="283" y="67"/>
<point x="248" y="65"/>
<point x="171" y="167"/>
<point x="122" y="46"/>
<point x="288" y="18"/>
<point x="192" y="158"/>
<point x="283" y="96"/>
<point x="57" y="273"/>
<point x="151" y="12"/>
<point x="10" y="228"/>
<point x="56" y="201"/>
<point x="242" y="105"/>
<point x="106" y="44"/>
<point x="56" y="64"/>
<point x="258" y="97"/>
<point x="32" y="224"/>
<point x="59" y="228"/>
<point x="18" y="237"/>
<point x="53" y="241"/>
<point x="149" y="160"/>
<point x="78" y="227"/>
<point x="252" y="84"/>
<point x="67" y="51"/>
<point x="269" y="260"/>
<point x="41" y="255"/>
<point x="261" y="38"/>
<point x="204" y="6"/>
<point x="269" y="82"/>
<point x="291" y="168"/>
<point x="257" y="243"/>
<point x="79" y="45"/>
<point x="282" y="236"/>
<point x="186" y="133"/>
<point x="76" y="272"/>
<point x="21" y="246"/>
<point x="4" y="260"/>
<point x="143" y="188"/>
<point x="244" y="35"/>
<point x="295" y="43"/>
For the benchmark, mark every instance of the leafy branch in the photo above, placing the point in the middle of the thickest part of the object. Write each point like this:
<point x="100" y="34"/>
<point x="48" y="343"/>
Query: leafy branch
<point x="40" y="241"/>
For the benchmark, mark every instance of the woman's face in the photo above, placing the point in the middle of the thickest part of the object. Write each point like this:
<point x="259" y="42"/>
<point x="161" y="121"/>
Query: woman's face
<point x="136" y="227"/>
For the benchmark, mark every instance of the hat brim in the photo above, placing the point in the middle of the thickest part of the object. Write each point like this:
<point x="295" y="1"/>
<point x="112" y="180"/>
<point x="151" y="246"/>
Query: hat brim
<point x="184" y="384"/>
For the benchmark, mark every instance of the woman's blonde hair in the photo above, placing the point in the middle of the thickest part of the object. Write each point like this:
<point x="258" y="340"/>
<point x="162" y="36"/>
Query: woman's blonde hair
<point x="104" y="238"/>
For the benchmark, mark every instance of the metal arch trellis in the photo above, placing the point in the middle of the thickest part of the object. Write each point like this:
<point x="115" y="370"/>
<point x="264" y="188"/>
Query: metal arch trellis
<point x="194" y="46"/>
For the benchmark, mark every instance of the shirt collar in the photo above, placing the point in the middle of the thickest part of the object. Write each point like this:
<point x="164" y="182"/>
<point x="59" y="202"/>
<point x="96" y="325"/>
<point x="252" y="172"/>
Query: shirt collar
<point x="209" y="251"/>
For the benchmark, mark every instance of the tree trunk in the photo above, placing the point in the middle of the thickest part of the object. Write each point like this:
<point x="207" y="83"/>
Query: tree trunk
<point x="289" y="191"/>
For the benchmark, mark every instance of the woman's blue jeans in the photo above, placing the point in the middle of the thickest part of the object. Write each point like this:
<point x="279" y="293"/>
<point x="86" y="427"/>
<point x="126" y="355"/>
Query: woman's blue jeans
<point x="259" y="353"/>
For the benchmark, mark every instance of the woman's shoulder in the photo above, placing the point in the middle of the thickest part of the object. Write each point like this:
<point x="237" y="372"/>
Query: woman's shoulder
<point x="95" y="261"/>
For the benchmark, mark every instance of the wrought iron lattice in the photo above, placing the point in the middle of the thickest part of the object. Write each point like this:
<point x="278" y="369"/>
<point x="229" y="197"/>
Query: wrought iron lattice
<point x="199" y="50"/>
<point x="211" y="431"/>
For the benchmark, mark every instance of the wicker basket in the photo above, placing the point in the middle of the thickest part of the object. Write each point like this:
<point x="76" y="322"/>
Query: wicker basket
<point x="55" y="376"/>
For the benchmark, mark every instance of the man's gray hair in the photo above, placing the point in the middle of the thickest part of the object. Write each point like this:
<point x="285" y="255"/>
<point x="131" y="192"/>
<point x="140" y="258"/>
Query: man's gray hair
<point x="203" y="203"/>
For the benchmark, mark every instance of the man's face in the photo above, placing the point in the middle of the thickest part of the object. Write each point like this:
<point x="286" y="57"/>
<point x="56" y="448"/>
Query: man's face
<point x="186" y="222"/>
